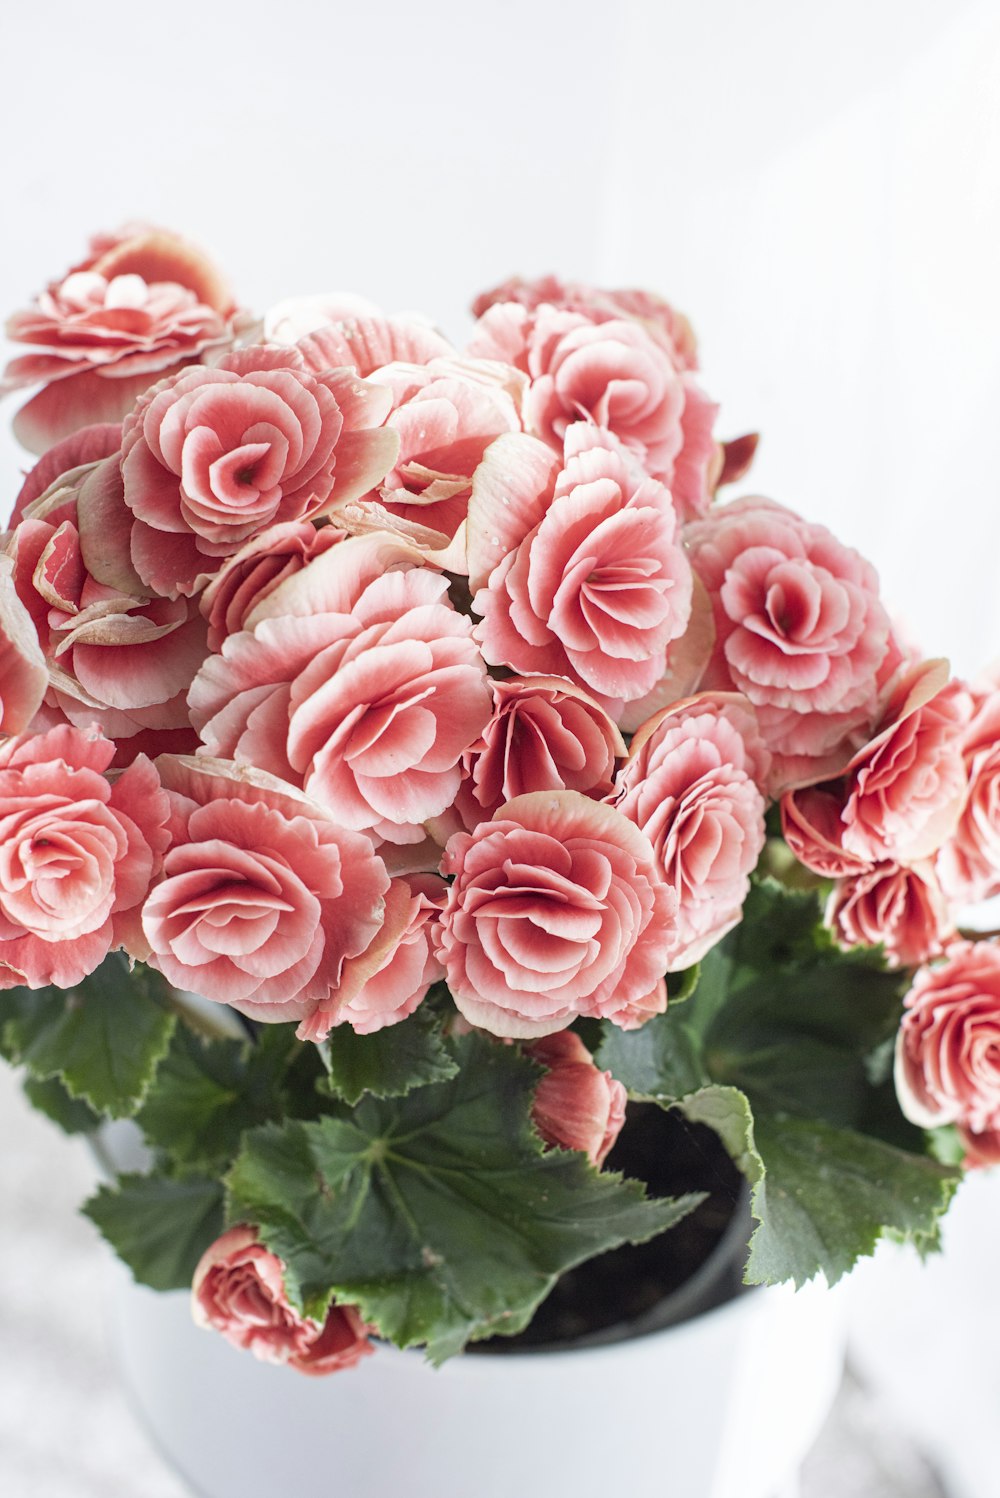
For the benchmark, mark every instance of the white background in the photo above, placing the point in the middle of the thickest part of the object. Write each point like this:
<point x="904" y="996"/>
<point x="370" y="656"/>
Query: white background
<point x="817" y="186"/>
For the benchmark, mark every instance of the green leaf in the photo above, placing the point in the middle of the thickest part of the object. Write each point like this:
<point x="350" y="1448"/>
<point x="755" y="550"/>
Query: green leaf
<point x="659" y="1063"/>
<point x="207" y="1092"/>
<point x="103" y="1039"/>
<point x="51" y="1098"/>
<point x="159" y="1225"/>
<point x="728" y="1112"/>
<point x="389" y="1063"/>
<point x="829" y="1194"/>
<point x="439" y="1213"/>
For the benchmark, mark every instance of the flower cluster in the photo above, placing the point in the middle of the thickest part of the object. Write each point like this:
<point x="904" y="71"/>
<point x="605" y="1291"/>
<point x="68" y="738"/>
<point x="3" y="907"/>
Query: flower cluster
<point x="339" y="662"/>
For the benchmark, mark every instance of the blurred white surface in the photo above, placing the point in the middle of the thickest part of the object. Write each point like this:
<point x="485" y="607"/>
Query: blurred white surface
<point x="819" y="188"/>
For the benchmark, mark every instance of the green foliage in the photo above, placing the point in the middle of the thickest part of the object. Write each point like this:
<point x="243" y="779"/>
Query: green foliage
<point x="103" y="1039"/>
<point x="159" y="1225"/>
<point x="391" y="1062"/>
<point x="50" y="1097"/>
<point x="439" y="1213"/>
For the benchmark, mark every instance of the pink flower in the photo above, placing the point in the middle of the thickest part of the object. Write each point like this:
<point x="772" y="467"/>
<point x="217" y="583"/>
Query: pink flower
<point x="906" y="788"/>
<point x="356" y="679"/>
<point x="576" y="1107"/>
<point x="76" y="855"/>
<point x="688" y="786"/>
<point x="948" y="1048"/>
<point x="116" y="656"/>
<point x="256" y="570"/>
<point x="24" y="678"/>
<point x="410" y="964"/>
<point x="263" y="901"/>
<point x="211" y="457"/>
<point x="556" y="910"/>
<point x="969" y="861"/>
<point x="142" y="303"/>
<point x="799" y="630"/>
<point x="344" y="332"/>
<point x="579" y="569"/>
<point x="902" y="909"/>
<point x="545" y="735"/>
<point x="83" y="448"/>
<point x="813" y="826"/>
<point x="239" y="1290"/>
<point x="618" y="376"/>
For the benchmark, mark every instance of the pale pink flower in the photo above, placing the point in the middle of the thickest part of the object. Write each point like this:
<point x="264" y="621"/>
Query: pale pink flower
<point x="356" y="679"/>
<point x="143" y="303"/>
<point x="254" y="572"/>
<point x="901" y="909"/>
<point x="576" y="1106"/>
<point x="579" y="566"/>
<point x="948" y="1048"/>
<point x="77" y="854"/>
<point x="813" y="825"/>
<point x="617" y="374"/>
<point x="799" y="628"/>
<point x="556" y="910"/>
<point x="239" y="1290"/>
<point x="411" y="964"/>
<point x="212" y="457"/>
<point x="264" y="900"/>
<point x="688" y="785"/>
<point x="969" y="861"/>
<point x="24" y="677"/>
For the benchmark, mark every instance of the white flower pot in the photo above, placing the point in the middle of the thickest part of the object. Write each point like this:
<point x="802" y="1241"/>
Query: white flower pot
<point x="724" y="1405"/>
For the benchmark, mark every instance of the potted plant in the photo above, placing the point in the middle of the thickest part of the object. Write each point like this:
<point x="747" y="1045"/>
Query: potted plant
<point x="464" y="850"/>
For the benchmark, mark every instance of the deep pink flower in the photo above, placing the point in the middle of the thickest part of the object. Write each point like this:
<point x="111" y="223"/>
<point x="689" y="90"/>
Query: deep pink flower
<point x="948" y="1049"/>
<point x="901" y="909"/>
<point x="143" y="303"/>
<point x="688" y="785"/>
<point x="556" y="910"/>
<point x="969" y="861"/>
<point x="76" y="855"/>
<point x="263" y="902"/>
<point x="579" y="567"/>
<point x="83" y="448"/>
<point x="212" y="457"/>
<point x="576" y="1106"/>
<point x="239" y="1290"/>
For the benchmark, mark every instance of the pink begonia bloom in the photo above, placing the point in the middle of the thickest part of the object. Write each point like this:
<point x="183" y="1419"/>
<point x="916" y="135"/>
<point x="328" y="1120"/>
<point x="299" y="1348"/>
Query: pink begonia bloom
<point x="906" y="788"/>
<point x="257" y="569"/>
<point x="116" y="656"/>
<point x="24" y="677"/>
<point x="948" y="1047"/>
<point x="576" y="1106"/>
<point x="239" y="1290"/>
<point x="617" y="374"/>
<point x="579" y="567"/>
<point x="83" y="448"/>
<point x="969" y="861"/>
<point x="601" y="304"/>
<point x="545" y="735"/>
<point x="410" y="965"/>
<point x="143" y="303"/>
<point x="799" y="629"/>
<point x="556" y="910"/>
<point x="813" y="826"/>
<point x="688" y="785"/>
<point x="76" y="855"/>
<point x="902" y="909"/>
<point x="363" y="341"/>
<point x="264" y="902"/>
<point x="356" y="679"/>
<point x="211" y="457"/>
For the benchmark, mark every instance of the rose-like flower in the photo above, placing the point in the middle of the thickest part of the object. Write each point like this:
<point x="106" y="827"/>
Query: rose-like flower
<point x="76" y="855"/>
<point x="948" y="1048"/>
<point x="264" y="902"/>
<point x="576" y="1106"/>
<point x="545" y="735"/>
<point x="84" y="448"/>
<point x="239" y="1290"/>
<point x="410" y="963"/>
<point x="619" y="375"/>
<point x="799" y="630"/>
<point x="902" y="909"/>
<point x="346" y="332"/>
<point x="579" y="569"/>
<point x="24" y="678"/>
<point x="357" y="680"/>
<point x="969" y="862"/>
<point x="116" y="655"/>
<point x="687" y="785"/>
<point x="211" y="457"/>
<point x="257" y="569"/>
<point x="556" y="910"/>
<point x="906" y="788"/>
<point x="812" y="822"/>
<point x="142" y="303"/>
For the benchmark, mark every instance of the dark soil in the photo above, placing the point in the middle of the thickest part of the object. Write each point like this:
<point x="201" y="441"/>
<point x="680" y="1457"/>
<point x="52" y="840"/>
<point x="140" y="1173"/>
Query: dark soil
<point x="628" y="1284"/>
